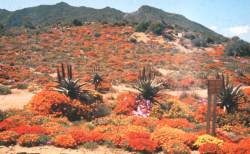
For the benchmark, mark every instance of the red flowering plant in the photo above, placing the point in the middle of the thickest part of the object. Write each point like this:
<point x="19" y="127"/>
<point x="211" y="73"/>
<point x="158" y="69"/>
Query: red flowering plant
<point x="43" y="101"/>
<point x="126" y="103"/>
<point x="210" y="148"/>
<point x="141" y="141"/>
<point x="20" y="130"/>
<point x="65" y="141"/>
<point x="13" y="122"/>
<point x="83" y="136"/>
<point x="8" y="137"/>
<point x="177" y="123"/>
<point x="174" y="147"/>
<point x="30" y="140"/>
<point x="237" y="148"/>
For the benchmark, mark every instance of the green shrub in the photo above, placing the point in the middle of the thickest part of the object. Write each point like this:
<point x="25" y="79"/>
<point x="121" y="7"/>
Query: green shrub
<point x="4" y="90"/>
<point x="90" y="145"/>
<point x="102" y="110"/>
<point x="236" y="118"/>
<point x="3" y="115"/>
<point x="142" y="27"/>
<point x="96" y="34"/>
<point x="22" y="86"/>
<point x="237" y="47"/>
<point x="230" y="96"/>
<point x="157" y="28"/>
<point x="77" y="22"/>
<point x="190" y="36"/>
<point x="199" y="42"/>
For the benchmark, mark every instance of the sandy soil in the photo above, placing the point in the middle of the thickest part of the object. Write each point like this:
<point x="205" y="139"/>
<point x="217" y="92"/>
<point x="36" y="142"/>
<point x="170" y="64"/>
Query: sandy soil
<point x="16" y="100"/>
<point x="54" y="150"/>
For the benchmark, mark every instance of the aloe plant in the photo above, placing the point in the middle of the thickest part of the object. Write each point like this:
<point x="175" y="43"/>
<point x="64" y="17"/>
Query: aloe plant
<point x="146" y="85"/>
<point x="66" y="83"/>
<point x="230" y="95"/>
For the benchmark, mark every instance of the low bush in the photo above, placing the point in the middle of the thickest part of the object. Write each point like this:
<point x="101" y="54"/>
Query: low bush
<point x="210" y="148"/>
<point x="30" y="140"/>
<point x="142" y="27"/>
<point x="64" y="141"/>
<point x="204" y="139"/>
<point x="90" y="145"/>
<point x="77" y="22"/>
<point x="8" y="138"/>
<point x="199" y="42"/>
<point x="22" y="86"/>
<point x="157" y="28"/>
<point x="4" y="90"/>
<point x="237" y="47"/>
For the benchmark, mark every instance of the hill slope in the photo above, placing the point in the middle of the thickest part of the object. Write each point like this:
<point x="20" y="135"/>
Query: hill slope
<point x="64" y="13"/>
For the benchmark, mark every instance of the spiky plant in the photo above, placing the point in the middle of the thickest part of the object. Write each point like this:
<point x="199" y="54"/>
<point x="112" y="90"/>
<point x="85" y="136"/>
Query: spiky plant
<point x="66" y="83"/>
<point x="229" y="95"/>
<point x="97" y="79"/>
<point x="146" y="85"/>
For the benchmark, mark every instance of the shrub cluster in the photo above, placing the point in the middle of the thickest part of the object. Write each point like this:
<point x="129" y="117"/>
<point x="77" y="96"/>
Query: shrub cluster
<point x="237" y="47"/>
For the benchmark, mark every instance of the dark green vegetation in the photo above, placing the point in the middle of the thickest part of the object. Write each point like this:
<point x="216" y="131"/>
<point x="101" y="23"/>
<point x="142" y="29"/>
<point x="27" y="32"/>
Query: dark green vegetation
<point x="63" y="13"/>
<point x="230" y="95"/>
<point x="4" y="90"/>
<point x="67" y="85"/>
<point x="237" y="47"/>
<point x="146" y="84"/>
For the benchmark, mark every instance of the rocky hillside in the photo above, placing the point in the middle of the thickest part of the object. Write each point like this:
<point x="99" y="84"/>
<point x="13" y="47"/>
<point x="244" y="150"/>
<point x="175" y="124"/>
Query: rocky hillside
<point x="65" y="14"/>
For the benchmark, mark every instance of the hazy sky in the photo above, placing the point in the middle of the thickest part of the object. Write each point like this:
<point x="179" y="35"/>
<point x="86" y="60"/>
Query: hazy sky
<point x="228" y="17"/>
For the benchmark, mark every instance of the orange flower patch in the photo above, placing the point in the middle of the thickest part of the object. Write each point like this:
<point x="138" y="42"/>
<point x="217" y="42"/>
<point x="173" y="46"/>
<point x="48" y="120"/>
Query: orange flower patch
<point x="42" y="102"/>
<point x="125" y="103"/>
<point x="82" y="136"/>
<point x="140" y="141"/>
<point x="8" y="137"/>
<point x="210" y="148"/>
<point x="30" y="130"/>
<point x="177" y="123"/>
<point x="65" y="141"/>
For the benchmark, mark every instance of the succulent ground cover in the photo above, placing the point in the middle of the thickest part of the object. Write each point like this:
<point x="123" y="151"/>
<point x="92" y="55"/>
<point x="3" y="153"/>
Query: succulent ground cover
<point x="169" y="124"/>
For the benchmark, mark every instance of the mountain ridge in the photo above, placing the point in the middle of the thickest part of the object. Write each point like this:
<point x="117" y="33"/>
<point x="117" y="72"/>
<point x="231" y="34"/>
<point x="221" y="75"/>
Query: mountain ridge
<point x="62" y="12"/>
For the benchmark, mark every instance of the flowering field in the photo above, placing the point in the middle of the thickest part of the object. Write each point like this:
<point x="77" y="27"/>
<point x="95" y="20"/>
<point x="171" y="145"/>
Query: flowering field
<point x="142" y="118"/>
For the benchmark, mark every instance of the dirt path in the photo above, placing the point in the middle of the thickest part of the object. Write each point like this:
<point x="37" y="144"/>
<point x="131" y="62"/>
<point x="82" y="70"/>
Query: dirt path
<point x="54" y="150"/>
<point x="16" y="100"/>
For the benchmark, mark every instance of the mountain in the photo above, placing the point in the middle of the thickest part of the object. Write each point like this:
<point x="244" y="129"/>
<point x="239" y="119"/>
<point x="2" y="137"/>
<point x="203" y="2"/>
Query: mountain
<point x="151" y="14"/>
<point x="63" y="13"/>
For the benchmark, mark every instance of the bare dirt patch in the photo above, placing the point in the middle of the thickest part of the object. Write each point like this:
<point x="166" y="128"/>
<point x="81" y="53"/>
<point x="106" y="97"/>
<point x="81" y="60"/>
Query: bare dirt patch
<point x="54" y="150"/>
<point x="17" y="100"/>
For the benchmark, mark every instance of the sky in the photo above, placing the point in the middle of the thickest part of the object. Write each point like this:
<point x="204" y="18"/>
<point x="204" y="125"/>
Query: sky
<point x="227" y="17"/>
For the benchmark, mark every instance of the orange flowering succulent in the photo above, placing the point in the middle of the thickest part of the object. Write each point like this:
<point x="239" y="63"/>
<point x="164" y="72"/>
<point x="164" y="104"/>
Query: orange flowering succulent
<point x="13" y="122"/>
<point x="29" y="130"/>
<point x="43" y="101"/>
<point x="29" y="140"/>
<point x="210" y="148"/>
<point x="8" y="137"/>
<point x="165" y="134"/>
<point x="177" y="123"/>
<point x="174" y="147"/>
<point x="82" y="136"/>
<point x="237" y="148"/>
<point x="65" y="141"/>
<point x="125" y="103"/>
<point x="141" y="141"/>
